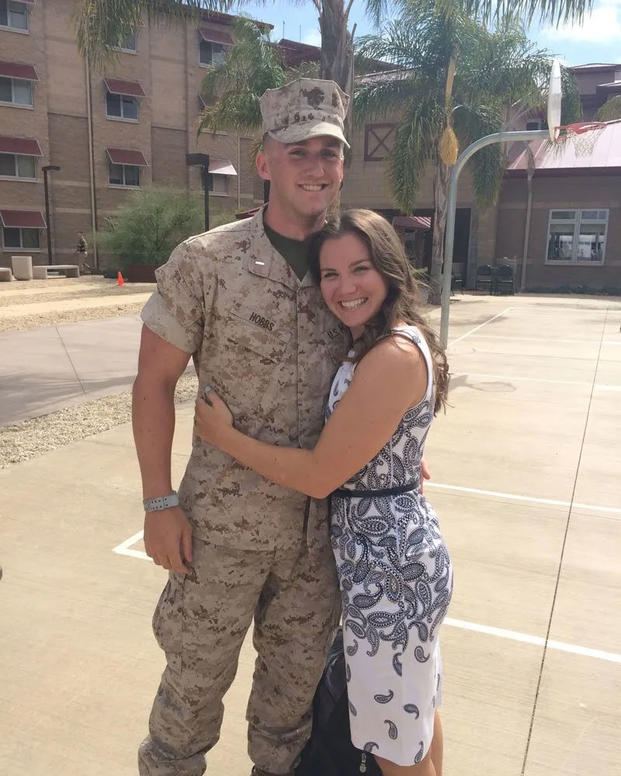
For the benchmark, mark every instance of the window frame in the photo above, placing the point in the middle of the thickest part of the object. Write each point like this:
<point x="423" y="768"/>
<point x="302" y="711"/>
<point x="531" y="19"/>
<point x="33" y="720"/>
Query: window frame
<point x="223" y="47"/>
<point x="577" y="221"/>
<point x="17" y="176"/>
<point x="21" y="230"/>
<point x="124" y="48"/>
<point x="123" y="185"/>
<point x="122" y="97"/>
<point x="8" y="26"/>
<point x="212" y="190"/>
<point x="385" y="142"/>
<point x="12" y="101"/>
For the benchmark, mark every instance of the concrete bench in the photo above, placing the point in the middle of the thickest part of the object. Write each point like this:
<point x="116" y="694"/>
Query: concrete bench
<point x="44" y="271"/>
<point x="5" y="274"/>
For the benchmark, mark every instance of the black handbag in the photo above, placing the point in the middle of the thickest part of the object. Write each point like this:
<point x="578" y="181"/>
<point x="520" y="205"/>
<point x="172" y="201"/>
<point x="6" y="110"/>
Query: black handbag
<point x="329" y="751"/>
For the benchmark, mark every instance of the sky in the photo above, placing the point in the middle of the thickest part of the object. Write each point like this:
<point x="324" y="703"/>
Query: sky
<point x="598" y="39"/>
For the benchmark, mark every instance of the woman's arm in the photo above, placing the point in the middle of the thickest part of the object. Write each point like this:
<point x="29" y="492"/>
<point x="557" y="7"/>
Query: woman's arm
<point x="391" y="378"/>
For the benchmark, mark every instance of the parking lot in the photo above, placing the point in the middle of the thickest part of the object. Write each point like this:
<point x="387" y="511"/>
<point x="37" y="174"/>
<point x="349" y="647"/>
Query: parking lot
<point x="525" y="478"/>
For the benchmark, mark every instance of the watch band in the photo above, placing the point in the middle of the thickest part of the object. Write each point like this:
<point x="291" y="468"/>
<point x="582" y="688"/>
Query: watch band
<point x="161" y="502"/>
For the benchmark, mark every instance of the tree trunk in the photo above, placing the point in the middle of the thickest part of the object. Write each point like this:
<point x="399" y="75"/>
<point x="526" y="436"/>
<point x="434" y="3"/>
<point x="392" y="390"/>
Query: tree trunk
<point x="337" y="51"/>
<point x="440" y="193"/>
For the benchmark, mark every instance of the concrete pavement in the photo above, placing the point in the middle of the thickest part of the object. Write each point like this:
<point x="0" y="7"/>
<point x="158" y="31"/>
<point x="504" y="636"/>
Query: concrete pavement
<point x="47" y="369"/>
<point x="525" y="469"/>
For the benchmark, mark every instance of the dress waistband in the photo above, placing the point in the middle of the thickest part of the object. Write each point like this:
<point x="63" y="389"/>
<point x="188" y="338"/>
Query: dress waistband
<point x="396" y="491"/>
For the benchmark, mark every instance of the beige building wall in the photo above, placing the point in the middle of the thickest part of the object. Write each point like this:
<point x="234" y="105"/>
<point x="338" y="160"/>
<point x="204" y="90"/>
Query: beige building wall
<point x="166" y="64"/>
<point x="583" y="192"/>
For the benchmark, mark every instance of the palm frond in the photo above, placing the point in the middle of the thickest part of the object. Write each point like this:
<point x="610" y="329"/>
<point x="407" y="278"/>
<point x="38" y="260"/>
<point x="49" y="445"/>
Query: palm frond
<point x="610" y="110"/>
<point x="101" y="25"/>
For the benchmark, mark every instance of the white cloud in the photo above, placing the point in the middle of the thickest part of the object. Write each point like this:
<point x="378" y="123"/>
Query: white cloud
<point x="313" y="37"/>
<point x="603" y="25"/>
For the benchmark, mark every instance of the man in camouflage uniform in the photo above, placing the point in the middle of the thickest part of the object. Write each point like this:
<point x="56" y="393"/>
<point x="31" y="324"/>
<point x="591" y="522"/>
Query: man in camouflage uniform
<point x="238" y="546"/>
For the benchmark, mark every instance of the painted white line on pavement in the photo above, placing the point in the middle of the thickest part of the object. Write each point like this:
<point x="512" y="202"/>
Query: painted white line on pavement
<point x="125" y="549"/>
<point x="538" y="641"/>
<point x="529" y="499"/>
<point x="476" y="328"/>
<point x="519" y="378"/>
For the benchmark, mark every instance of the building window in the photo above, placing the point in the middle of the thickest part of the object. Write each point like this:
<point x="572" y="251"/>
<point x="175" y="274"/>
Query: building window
<point x="577" y="236"/>
<point x="18" y="166"/>
<point x="124" y="175"/>
<point x="16" y="91"/>
<point x="218" y="184"/>
<point x="212" y="53"/>
<point x="13" y="15"/>
<point x="378" y="141"/>
<point x="129" y="42"/>
<point x="534" y="124"/>
<point x="122" y="107"/>
<point x="26" y="239"/>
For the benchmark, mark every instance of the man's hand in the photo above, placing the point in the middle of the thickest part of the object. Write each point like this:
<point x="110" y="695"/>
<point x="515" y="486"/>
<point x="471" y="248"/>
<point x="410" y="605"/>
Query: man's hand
<point x="168" y="539"/>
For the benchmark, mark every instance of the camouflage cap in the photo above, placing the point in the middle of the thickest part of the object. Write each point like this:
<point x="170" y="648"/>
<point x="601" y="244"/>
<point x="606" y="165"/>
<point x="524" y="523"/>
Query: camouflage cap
<point x="306" y="107"/>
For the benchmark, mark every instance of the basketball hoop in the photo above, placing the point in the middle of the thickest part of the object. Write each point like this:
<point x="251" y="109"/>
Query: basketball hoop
<point x="582" y="135"/>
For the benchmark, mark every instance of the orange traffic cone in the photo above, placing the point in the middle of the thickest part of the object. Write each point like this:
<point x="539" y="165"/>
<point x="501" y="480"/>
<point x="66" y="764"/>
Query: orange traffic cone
<point x="119" y="279"/>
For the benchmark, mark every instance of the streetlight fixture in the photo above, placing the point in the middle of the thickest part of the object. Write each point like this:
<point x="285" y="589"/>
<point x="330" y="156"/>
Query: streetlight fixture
<point x="48" y="231"/>
<point x="202" y="161"/>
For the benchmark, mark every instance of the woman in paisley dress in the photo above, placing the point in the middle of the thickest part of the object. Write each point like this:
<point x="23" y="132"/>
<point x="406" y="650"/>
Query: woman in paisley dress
<point x="394" y="569"/>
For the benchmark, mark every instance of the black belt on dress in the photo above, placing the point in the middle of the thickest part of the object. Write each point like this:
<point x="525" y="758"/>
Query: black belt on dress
<point x="396" y="491"/>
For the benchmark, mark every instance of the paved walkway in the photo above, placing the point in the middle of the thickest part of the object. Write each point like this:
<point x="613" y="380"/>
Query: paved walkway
<point x="47" y="369"/>
<point x="525" y="471"/>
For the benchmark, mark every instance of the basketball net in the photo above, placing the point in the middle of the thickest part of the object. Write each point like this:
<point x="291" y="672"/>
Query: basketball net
<point x="582" y="136"/>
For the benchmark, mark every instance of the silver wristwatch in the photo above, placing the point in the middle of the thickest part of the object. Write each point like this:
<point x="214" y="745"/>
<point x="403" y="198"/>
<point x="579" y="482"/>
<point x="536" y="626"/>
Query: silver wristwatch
<point x="161" y="502"/>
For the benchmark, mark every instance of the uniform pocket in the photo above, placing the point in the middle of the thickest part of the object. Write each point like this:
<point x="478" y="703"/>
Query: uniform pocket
<point x="256" y="337"/>
<point x="168" y="621"/>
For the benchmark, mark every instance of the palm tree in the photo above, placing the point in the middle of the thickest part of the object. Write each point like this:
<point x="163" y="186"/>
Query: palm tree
<point x="232" y="90"/>
<point x="103" y="23"/>
<point x="454" y="82"/>
<point x="610" y="110"/>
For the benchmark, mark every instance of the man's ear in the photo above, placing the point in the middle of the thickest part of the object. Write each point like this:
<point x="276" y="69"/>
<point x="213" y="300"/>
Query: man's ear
<point x="263" y="166"/>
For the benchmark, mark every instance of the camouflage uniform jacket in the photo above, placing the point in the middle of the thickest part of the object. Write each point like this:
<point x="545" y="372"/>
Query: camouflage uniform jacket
<point x="267" y="343"/>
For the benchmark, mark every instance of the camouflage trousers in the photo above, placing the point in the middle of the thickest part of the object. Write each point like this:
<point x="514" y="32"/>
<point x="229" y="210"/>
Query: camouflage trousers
<point x="200" y="623"/>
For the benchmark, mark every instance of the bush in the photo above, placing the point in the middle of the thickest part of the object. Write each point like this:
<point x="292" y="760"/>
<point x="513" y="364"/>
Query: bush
<point x="150" y="225"/>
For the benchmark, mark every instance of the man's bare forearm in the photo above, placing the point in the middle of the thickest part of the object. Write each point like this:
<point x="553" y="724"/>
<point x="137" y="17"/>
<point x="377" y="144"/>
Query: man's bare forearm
<point x="153" y="418"/>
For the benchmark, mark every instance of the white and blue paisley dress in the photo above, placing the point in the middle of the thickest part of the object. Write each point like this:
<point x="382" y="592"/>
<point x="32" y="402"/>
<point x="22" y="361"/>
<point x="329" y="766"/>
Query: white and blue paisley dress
<point x="396" y="581"/>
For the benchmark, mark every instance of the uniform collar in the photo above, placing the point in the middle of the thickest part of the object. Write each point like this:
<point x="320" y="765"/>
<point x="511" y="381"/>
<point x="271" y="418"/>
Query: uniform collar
<point x="265" y="260"/>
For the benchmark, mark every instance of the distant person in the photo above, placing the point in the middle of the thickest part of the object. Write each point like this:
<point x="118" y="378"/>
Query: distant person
<point x="81" y="249"/>
<point x="394" y="568"/>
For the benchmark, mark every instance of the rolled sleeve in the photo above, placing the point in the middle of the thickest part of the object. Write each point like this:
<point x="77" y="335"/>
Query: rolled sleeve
<point x="177" y="309"/>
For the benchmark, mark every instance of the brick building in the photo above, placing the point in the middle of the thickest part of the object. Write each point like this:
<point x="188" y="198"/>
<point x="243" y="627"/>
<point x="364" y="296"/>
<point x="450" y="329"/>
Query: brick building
<point x="109" y="131"/>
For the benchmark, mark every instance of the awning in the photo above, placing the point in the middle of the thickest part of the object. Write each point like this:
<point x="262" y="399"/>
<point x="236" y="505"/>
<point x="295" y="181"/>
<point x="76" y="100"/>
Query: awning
<point x="123" y="156"/>
<point x="22" y="219"/>
<point x="19" y="145"/>
<point x="15" y="70"/>
<point x="215" y="36"/>
<point x="221" y="167"/>
<point x="126" y="88"/>
<point x="412" y="222"/>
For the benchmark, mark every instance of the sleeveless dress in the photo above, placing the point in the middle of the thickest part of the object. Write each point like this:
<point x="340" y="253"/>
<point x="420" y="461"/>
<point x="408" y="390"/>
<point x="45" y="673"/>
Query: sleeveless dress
<point x="396" y="581"/>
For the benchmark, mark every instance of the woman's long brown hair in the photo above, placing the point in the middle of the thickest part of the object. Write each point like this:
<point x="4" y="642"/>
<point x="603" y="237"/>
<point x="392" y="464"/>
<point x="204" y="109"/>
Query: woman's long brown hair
<point x="389" y="259"/>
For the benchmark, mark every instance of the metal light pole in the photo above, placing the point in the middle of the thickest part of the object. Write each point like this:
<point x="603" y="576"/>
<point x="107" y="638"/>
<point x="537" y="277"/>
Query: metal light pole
<point x="202" y="161"/>
<point x="48" y="231"/>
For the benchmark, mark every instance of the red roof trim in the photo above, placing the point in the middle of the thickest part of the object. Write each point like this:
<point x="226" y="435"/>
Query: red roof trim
<point x="225" y="18"/>
<point x="126" y="88"/>
<point x="22" y="219"/>
<point x="17" y="70"/>
<point x="215" y="36"/>
<point x="20" y="145"/>
<point x="565" y="172"/>
<point x="125" y="156"/>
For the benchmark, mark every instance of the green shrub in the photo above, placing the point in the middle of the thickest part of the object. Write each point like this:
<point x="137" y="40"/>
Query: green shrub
<point x="150" y="225"/>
